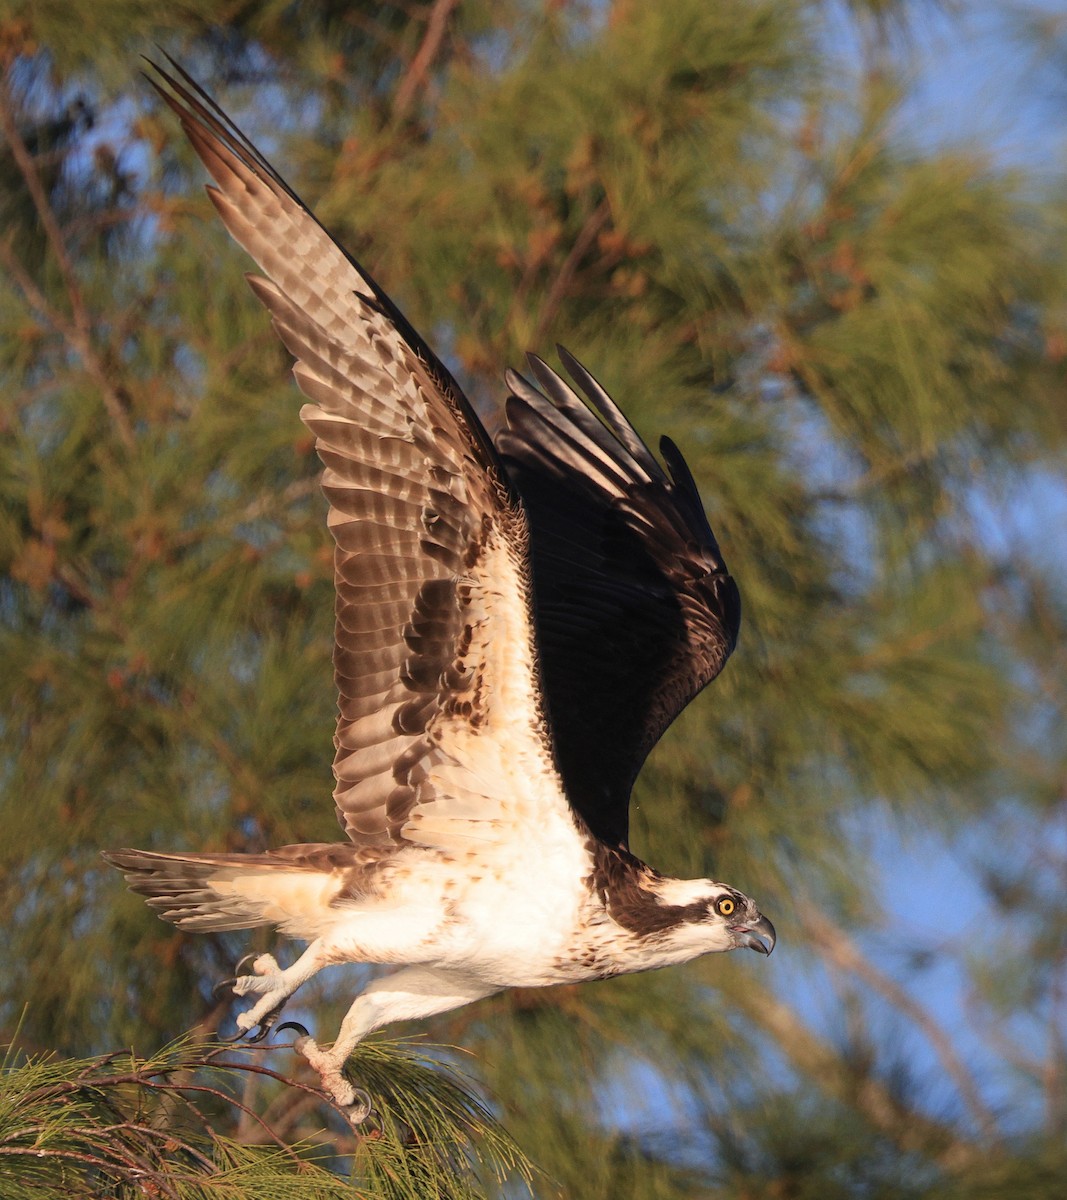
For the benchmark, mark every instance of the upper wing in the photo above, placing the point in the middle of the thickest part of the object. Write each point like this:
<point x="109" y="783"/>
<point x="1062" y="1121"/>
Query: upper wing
<point x="635" y="609"/>
<point x="434" y="657"/>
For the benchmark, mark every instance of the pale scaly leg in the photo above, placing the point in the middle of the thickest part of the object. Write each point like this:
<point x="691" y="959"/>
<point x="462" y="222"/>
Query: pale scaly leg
<point x="274" y="986"/>
<point x="408" y="994"/>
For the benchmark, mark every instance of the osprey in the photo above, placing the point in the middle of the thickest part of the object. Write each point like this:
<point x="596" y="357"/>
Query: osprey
<point x="518" y="620"/>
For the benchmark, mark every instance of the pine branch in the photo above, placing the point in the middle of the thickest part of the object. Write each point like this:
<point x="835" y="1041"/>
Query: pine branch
<point x="116" y="1121"/>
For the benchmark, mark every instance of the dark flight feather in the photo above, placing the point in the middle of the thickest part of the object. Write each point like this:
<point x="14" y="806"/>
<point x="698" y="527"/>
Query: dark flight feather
<point x="633" y="608"/>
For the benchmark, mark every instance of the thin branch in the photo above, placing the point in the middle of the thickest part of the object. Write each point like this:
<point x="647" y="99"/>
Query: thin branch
<point x="77" y="331"/>
<point x="587" y="235"/>
<point x="204" y="1089"/>
<point x="156" y="1079"/>
<point x="166" y="1137"/>
<point x="835" y="945"/>
<point x="415" y="76"/>
<point x="906" y="1127"/>
<point x="55" y="1152"/>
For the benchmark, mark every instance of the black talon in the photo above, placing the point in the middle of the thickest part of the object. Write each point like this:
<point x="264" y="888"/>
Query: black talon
<point x="294" y="1025"/>
<point x="216" y="991"/>
<point x="223" y="985"/>
<point x="363" y="1105"/>
<point x="261" y="1030"/>
<point x="264" y="1027"/>
<point x="241" y="962"/>
<point x="229" y="1041"/>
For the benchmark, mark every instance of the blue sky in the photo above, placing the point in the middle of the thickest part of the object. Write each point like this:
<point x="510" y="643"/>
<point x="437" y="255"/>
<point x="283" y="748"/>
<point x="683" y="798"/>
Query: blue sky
<point x="982" y="79"/>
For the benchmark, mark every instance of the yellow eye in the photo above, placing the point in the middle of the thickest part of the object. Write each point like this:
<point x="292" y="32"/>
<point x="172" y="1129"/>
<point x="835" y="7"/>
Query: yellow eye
<point x="725" y="906"/>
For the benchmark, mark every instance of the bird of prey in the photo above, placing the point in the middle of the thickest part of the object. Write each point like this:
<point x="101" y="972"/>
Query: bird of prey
<point x="518" y="620"/>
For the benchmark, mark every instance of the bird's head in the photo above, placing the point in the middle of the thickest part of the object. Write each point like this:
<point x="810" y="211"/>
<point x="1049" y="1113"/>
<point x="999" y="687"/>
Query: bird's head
<point x="741" y="920"/>
<point x="715" y="917"/>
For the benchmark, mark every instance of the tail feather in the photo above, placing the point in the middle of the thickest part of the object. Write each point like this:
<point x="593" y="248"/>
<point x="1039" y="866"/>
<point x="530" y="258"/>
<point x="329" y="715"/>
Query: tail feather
<point x="291" y="888"/>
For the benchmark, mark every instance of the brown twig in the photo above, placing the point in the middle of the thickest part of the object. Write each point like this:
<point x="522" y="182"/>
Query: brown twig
<point x="415" y="75"/>
<point x="156" y="1079"/>
<point x="587" y="235"/>
<point x="836" y="947"/>
<point x="906" y="1127"/>
<point x="78" y="330"/>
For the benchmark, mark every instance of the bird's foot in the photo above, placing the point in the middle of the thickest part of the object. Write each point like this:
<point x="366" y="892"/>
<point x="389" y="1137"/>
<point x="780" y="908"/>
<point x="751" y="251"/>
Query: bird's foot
<point x="354" y="1103"/>
<point x="270" y="983"/>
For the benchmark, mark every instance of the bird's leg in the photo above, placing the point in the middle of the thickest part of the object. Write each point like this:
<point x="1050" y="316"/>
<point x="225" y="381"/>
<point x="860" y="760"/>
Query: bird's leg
<point x="273" y="986"/>
<point x="354" y="1102"/>
<point x="408" y="994"/>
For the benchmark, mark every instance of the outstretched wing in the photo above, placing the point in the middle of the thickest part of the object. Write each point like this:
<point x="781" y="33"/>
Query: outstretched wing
<point x="635" y="609"/>
<point x="434" y="659"/>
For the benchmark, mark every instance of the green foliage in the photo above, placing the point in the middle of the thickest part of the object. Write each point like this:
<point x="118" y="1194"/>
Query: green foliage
<point x="436" y="1138"/>
<point x="122" y="1126"/>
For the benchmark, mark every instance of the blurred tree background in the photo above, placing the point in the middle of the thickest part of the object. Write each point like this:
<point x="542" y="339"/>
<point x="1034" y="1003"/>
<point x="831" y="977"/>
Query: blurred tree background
<point x="859" y="339"/>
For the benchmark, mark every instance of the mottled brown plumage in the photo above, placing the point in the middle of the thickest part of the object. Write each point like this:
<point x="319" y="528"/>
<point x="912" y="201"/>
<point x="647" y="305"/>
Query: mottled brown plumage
<point x="626" y="887"/>
<point x="516" y="626"/>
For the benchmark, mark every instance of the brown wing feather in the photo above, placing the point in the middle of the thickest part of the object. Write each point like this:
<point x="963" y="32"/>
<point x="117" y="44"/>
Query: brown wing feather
<point x="635" y="610"/>
<point x="418" y="504"/>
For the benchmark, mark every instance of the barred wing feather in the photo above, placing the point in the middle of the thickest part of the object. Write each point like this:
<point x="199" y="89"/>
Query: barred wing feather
<point x="434" y="656"/>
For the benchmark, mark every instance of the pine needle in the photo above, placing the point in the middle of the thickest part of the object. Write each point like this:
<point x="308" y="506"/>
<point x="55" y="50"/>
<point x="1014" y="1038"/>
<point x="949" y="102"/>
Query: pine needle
<point x="118" y="1125"/>
<point x="436" y="1136"/>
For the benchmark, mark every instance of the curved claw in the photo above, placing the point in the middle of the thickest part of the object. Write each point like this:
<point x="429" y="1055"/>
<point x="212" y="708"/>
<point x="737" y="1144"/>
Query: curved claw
<point x="301" y="1031"/>
<point x="220" y="988"/>
<point x="361" y="1108"/>
<point x="259" y="1032"/>
<point x="224" y="985"/>
<point x="264" y="1027"/>
<point x="229" y="1041"/>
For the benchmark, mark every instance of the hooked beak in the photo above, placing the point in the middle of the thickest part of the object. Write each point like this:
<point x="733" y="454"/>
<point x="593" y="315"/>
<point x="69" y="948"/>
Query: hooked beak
<point x="758" y="936"/>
